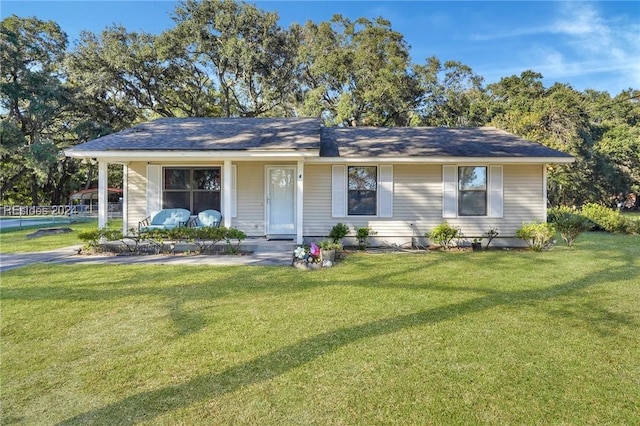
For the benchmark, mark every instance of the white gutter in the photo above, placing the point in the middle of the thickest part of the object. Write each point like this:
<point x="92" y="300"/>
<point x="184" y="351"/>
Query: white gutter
<point x="444" y="160"/>
<point x="126" y="156"/>
<point x="307" y="156"/>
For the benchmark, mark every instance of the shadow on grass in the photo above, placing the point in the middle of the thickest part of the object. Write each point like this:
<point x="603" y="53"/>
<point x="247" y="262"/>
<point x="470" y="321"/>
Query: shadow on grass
<point x="145" y="406"/>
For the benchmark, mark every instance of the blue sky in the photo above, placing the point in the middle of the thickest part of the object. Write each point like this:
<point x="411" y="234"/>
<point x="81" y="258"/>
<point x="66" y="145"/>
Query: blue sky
<point x="585" y="44"/>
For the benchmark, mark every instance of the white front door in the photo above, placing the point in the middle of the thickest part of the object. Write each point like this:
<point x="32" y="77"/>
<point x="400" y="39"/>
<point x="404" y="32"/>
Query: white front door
<point x="281" y="201"/>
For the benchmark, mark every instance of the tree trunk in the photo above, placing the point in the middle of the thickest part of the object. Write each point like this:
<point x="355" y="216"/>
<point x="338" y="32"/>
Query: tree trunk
<point x="34" y="191"/>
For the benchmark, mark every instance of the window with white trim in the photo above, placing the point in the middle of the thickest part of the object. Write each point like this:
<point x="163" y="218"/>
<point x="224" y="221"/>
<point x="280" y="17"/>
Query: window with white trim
<point x="362" y="190"/>
<point x="194" y="189"/>
<point x="472" y="191"/>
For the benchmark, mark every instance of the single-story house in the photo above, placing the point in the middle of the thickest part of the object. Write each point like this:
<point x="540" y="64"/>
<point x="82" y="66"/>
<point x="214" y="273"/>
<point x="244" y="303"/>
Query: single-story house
<point x="294" y="178"/>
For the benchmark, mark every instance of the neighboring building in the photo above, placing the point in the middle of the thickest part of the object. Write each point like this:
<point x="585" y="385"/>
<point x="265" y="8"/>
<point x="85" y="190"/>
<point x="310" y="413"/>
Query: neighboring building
<point x="294" y="178"/>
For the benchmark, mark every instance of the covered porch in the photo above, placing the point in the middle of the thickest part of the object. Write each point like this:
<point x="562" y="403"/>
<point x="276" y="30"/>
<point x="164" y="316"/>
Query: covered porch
<point x="262" y="198"/>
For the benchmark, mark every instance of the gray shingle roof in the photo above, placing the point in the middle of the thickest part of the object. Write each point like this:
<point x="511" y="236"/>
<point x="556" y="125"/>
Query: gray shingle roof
<point x="212" y="134"/>
<point x="294" y="134"/>
<point x="429" y="142"/>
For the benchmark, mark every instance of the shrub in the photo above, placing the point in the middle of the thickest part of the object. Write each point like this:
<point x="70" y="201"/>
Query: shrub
<point x="538" y="236"/>
<point x="605" y="219"/>
<point x="230" y="234"/>
<point x="490" y="235"/>
<point x="93" y="238"/>
<point x="208" y="233"/>
<point x="362" y="234"/>
<point x="330" y="245"/>
<point x="569" y="222"/>
<point x="338" y="232"/>
<point x="633" y="226"/>
<point x="443" y="234"/>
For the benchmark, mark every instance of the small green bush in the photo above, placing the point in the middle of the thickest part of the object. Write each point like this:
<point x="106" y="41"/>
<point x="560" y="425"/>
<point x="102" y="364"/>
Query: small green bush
<point x="207" y="237"/>
<point x="605" y="219"/>
<point x="538" y="236"/>
<point x="362" y="234"/>
<point x="443" y="234"/>
<point x="230" y="234"/>
<point x="569" y="222"/>
<point x="338" y="232"/>
<point x="94" y="237"/>
<point x="330" y="245"/>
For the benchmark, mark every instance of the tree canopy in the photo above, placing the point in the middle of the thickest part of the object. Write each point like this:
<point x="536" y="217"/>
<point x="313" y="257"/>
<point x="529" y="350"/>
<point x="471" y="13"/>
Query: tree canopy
<point x="229" y="59"/>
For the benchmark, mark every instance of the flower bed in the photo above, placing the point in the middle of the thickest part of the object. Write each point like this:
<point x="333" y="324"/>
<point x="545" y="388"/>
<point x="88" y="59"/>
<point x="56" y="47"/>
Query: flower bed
<point x="310" y="258"/>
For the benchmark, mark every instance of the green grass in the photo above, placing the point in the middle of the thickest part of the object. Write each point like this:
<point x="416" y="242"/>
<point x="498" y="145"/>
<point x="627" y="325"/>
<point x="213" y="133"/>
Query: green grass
<point x="497" y="337"/>
<point x="17" y="242"/>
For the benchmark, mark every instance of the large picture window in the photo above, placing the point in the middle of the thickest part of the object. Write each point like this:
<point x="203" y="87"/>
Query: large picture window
<point x="472" y="191"/>
<point x="362" y="190"/>
<point x="194" y="189"/>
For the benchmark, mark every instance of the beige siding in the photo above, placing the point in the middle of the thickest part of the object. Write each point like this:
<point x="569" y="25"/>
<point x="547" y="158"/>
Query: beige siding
<point x="416" y="200"/>
<point x="251" y="196"/>
<point x="250" y="193"/>
<point x="418" y="203"/>
<point x="317" y="200"/>
<point x="523" y="202"/>
<point x="137" y="193"/>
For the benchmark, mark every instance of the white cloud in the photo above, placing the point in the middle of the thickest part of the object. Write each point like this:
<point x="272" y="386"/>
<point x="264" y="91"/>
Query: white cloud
<point x="585" y="45"/>
<point x="586" y="40"/>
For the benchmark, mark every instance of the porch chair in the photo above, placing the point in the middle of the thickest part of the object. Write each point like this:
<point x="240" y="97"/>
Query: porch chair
<point x="165" y="219"/>
<point x="207" y="218"/>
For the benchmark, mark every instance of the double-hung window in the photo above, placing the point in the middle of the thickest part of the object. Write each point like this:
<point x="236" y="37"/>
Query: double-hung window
<point x="362" y="194"/>
<point x="472" y="191"/>
<point x="194" y="189"/>
<point x="362" y="190"/>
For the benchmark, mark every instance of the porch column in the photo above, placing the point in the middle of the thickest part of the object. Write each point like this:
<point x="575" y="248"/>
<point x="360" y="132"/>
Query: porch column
<point x="226" y="193"/>
<point x="300" y="202"/>
<point x="125" y="199"/>
<point x="103" y="200"/>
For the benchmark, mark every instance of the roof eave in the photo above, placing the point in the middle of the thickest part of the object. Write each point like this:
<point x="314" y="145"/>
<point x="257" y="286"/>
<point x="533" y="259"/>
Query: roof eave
<point x="143" y="155"/>
<point x="445" y="160"/>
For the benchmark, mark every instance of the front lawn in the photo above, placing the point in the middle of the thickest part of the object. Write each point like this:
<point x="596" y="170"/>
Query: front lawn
<point x="497" y="337"/>
<point x="16" y="241"/>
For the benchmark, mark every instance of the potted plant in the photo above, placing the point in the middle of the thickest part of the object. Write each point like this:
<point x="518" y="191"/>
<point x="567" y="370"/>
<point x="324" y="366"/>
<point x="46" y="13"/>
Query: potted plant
<point x="476" y="244"/>
<point x="328" y="250"/>
<point x="307" y="258"/>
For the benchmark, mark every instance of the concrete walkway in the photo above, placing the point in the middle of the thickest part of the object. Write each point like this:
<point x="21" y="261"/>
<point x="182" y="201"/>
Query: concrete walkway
<point x="271" y="256"/>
